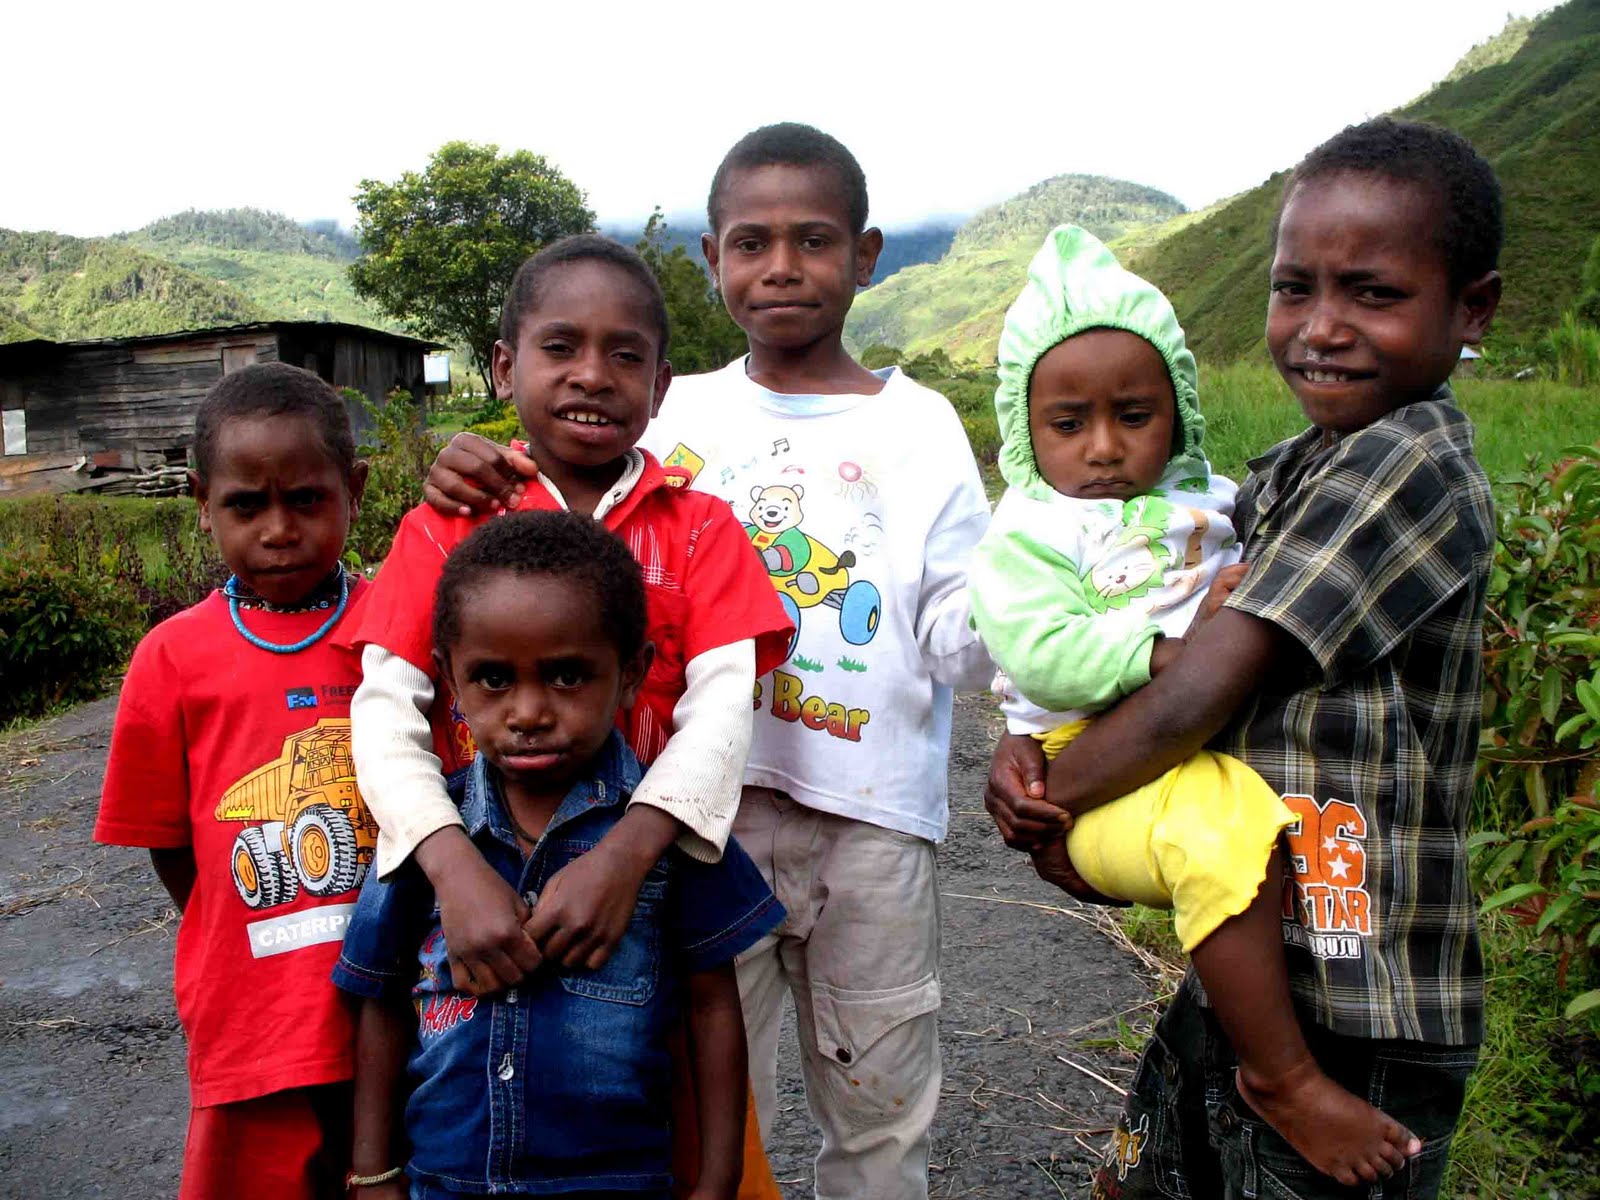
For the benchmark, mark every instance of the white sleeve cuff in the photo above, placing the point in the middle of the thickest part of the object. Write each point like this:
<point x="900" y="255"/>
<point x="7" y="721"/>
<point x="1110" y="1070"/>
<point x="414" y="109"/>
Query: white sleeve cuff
<point x="698" y="776"/>
<point x="401" y="778"/>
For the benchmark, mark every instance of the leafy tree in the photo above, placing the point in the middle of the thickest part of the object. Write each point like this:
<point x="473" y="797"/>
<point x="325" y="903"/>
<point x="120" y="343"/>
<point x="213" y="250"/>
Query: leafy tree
<point x="877" y="356"/>
<point x="441" y="247"/>
<point x="704" y="336"/>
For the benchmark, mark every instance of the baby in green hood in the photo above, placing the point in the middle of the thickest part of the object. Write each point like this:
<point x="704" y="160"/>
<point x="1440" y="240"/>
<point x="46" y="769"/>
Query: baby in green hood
<point x="1111" y="535"/>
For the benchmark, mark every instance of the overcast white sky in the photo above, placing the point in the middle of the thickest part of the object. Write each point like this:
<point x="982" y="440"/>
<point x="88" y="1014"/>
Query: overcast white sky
<point x="118" y="113"/>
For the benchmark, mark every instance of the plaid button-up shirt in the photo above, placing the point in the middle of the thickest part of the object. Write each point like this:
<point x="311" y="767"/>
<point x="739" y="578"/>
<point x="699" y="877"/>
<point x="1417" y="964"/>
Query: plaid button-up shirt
<point x="1373" y="553"/>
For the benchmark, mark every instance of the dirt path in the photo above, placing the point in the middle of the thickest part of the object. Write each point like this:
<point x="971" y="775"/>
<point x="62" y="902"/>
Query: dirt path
<point x="91" y="1058"/>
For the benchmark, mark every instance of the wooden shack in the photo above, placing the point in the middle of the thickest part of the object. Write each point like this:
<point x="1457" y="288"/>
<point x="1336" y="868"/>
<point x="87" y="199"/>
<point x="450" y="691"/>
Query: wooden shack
<point x="90" y="415"/>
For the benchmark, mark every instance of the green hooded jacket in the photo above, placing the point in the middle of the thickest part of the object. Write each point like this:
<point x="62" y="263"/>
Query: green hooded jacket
<point x="1069" y="594"/>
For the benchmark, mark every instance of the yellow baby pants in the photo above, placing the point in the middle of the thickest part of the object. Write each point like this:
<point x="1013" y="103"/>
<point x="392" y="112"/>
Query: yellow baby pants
<point x="1196" y="840"/>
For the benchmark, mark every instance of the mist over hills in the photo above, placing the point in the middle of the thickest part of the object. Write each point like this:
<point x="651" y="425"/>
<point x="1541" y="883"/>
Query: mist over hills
<point x="958" y="303"/>
<point x="1529" y="100"/>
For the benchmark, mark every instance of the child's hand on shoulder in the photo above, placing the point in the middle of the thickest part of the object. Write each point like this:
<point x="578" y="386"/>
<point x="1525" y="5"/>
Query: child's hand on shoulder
<point x="473" y="474"/>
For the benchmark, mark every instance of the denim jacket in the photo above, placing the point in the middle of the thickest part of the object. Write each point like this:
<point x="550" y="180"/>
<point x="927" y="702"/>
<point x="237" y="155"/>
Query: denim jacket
<point x="561" y="1083"/>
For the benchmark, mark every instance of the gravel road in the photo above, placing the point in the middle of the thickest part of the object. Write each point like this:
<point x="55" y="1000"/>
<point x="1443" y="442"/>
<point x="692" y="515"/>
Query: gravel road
<point x="91" y="1057"/>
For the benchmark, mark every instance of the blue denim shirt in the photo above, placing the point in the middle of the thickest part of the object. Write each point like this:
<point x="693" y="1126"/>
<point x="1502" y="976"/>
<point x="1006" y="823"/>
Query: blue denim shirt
<point x="561" y="1083"/>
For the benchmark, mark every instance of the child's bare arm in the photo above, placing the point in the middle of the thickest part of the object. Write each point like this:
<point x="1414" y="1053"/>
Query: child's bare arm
<point x="384" y="1032"/>
<point x="176" y="870"/>
<point x="585" y="908"/>
<point x="1171" y="718"/>
<point x="718" y="1058"/>
<point x="1166" y="649"/>
<point x="473" y="474"/>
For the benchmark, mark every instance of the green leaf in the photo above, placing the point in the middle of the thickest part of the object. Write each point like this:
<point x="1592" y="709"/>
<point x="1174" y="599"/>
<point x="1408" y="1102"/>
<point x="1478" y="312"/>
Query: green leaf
<point x="1485" y="837"/>
<point x="1582" y="1004"/>
<point x="1588" y="697"/>
<point x="1516" y="892"/>
<point x="1502" y="861"/>
<point x="1571" y="725"/>
<point x="1554" y="911"/>
<point x="1550" y="692"/>
<point x="1538" y="795"/>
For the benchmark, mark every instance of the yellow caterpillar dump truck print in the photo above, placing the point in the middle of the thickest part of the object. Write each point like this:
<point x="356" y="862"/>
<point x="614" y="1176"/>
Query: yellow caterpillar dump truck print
<point x="305" y="824"/>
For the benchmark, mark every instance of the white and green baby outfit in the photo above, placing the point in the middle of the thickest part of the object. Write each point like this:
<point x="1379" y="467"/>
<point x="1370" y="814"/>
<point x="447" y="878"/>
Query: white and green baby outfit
<point x="1070" y="594"/>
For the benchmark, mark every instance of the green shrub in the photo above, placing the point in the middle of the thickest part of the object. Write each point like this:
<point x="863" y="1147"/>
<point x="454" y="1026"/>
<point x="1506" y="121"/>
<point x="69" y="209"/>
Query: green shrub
<point x="152" y="550"/>
<point x="398" y="450"/>
<point x="1572" y="350"/>
<point x="63" y="634"/>
<point x="1538" y="839"/>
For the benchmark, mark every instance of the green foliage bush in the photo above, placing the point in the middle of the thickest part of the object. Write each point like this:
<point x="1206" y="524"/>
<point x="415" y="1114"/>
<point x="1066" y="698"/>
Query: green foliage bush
<point x="704" y="337"/>
<point x="150" y="550"/>
<point x="1538" y="819"/>
<point x="1571" y="351"/>
<point x="441" y="246"/>
<point x="62" y="633"/>
<point x="398" y="450"/>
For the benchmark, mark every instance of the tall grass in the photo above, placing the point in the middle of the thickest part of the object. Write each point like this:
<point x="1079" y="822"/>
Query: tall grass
<point x="1573" y="349"/>
<point x="1249" y="408"/>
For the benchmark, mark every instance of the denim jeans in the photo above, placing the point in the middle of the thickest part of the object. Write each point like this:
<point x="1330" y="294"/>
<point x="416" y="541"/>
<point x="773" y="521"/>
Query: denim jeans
<point x="1186" y="1134"/>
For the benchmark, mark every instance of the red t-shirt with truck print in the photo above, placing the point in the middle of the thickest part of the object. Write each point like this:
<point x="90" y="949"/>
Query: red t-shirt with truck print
<point x="243" y="755"/>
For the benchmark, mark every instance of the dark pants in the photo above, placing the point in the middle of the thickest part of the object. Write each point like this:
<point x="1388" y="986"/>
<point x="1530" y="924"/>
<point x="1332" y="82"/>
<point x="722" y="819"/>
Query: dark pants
<point x="1186" y="1133"/>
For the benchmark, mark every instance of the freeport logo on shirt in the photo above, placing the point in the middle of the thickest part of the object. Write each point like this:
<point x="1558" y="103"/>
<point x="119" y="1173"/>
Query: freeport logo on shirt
<point x="298" y="931"/>
<point x="301" y="697"/>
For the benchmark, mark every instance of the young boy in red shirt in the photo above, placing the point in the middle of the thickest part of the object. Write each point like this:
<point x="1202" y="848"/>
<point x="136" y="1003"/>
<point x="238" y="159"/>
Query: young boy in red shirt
<point x="230" y="760"/>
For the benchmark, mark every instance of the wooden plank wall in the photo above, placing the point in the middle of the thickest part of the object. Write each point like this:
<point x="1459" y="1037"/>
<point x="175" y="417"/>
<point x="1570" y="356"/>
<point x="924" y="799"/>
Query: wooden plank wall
<point x="375" y="369"/>
<point x="140" y="398"/>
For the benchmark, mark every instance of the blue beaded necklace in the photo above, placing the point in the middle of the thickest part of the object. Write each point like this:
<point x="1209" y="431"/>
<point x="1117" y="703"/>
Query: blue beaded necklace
<point x="231" y="591"/>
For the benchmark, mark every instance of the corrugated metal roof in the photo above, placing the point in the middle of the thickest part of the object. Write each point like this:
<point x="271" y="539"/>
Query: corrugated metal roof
<point x="35" y="347"/>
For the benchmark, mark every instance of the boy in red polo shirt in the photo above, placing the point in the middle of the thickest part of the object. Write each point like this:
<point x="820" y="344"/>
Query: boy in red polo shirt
<point x="230" y="760"/>
<point x="582" y="355"/>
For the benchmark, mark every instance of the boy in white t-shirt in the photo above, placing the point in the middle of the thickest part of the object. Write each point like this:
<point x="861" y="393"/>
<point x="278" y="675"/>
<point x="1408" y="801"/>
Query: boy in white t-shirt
<point x="859" y="491"/>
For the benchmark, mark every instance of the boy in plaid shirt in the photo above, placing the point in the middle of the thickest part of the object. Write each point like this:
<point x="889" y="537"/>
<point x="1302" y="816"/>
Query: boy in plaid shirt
<point x="1346" y="670"/>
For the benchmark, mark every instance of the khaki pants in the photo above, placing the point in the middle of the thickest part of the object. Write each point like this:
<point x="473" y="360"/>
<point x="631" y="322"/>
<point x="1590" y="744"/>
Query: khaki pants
<point x="859" y="951"/>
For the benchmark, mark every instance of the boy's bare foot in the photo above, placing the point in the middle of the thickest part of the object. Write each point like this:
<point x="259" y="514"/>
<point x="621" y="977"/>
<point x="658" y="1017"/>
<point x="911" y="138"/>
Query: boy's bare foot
<point x="1334" y="1130"/>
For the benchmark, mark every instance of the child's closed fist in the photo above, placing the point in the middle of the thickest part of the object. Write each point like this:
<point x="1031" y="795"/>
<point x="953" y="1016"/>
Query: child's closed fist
<point x="583" y="911"/>
<point x="483" y="917"/>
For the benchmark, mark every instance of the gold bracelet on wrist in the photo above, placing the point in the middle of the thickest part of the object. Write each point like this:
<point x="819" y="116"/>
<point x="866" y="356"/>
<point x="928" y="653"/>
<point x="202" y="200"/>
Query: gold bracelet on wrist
<point x="353" y="1180"/>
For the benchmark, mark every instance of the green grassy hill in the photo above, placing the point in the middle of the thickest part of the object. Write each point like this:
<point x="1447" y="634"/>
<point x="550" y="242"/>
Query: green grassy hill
<point x="958" y="303"/>
<point x="189" y="271"/>
<point x="1528" y="99"/>
<point x="289" y="270"/>
<point x="64" y="287"/>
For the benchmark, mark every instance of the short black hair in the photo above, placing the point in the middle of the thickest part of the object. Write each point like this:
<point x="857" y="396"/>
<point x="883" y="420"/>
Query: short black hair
<point x="1472" y="219"/>
<point x="272" y="390"/>
<point x="563" y="544"/>
<point x="527" y="285"/>
<point x="790" y="144"/>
